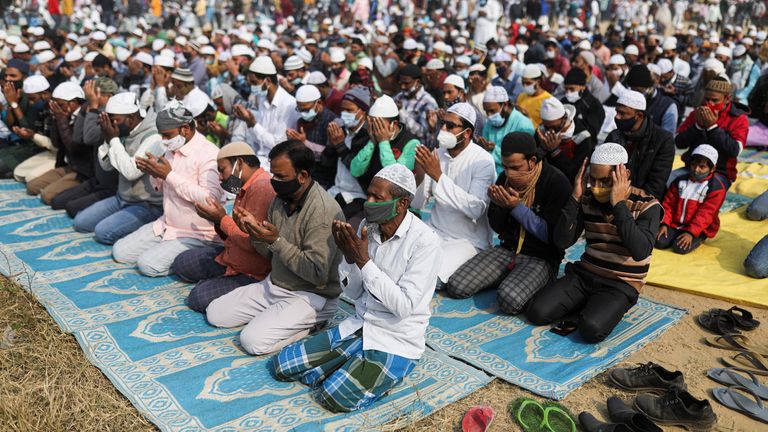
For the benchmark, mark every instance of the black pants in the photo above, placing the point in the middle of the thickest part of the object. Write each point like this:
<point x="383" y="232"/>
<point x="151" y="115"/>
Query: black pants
<point x="599" y="303"/>
<point x="80" y="197"/>
<point x="667" y="241"/>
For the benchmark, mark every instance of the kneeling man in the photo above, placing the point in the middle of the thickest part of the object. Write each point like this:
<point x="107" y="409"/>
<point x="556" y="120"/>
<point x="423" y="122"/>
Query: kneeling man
<point x="390" y="271"/>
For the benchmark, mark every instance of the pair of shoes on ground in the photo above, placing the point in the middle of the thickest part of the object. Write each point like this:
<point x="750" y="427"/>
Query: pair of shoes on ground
<point x="753" y="357"/>
<point x="731" y="321"/>
<point x="670" y="403"/>
<point x="743" y="394"/>
<point x="624" y="417"/>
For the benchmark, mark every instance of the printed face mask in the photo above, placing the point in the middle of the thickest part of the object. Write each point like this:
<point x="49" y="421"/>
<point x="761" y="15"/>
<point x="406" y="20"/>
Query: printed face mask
<point x="175" y="143"/>
<point x="233" y="184"/>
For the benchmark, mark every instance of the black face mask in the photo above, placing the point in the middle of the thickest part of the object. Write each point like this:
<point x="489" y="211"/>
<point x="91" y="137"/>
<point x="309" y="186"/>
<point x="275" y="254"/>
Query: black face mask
<point x="17" y="84"/>
<point x="187" y="56"/>
<point x="123" y="130"/>
<point x="233" y="184"/>
<point x="286" y="189"/>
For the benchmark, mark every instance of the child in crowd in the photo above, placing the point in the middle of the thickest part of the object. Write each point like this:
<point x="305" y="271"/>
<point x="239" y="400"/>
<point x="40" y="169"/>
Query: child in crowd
<point x="692" y="203"/>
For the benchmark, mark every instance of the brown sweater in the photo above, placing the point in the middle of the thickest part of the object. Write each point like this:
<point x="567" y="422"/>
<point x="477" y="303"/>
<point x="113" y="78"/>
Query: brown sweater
<point x="305" y="256"/>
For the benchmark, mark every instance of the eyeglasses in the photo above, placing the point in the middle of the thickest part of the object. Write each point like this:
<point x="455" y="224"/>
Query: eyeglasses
<point x="451" y="125"/>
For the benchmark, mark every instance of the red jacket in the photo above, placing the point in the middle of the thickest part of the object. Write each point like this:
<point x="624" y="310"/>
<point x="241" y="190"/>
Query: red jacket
<point x="728" y="137"/>
<point x="694" y="206"/>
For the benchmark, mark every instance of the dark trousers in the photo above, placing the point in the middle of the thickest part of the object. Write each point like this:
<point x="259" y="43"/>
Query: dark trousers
<point x="600" y="304"/>
<point x="667" y="241"/>
<point x="199" y="265"/>
<point x="80" y="197"/>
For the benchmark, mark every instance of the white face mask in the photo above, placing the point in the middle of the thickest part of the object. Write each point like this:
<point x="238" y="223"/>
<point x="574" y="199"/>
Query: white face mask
<point x="447" y="139"/>
<point x="572" y="97"/>
<point x="175" y="143"/>
<point x="529" y="89"/>
<point x="551" y="54"/>
<point x="568" y="133"/>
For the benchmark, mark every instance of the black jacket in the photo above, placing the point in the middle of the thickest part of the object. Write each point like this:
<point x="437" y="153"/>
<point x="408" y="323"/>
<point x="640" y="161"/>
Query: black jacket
<point x="590" y="114"/>
<point x="552" y="193"/>
<point x="332" y="154"/>
<point x="651" y="153"/>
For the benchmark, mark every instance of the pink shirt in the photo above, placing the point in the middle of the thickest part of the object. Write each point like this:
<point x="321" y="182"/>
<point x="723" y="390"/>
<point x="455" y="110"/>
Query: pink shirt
<point x="193" y="178"/>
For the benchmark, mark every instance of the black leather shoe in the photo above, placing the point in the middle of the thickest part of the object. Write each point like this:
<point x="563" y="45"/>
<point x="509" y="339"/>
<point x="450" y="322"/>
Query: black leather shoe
<point x="677" y="408"/>
<point x="622" y="413"/>
<point x="591" y="424"/>
<point x="649" y="377"/>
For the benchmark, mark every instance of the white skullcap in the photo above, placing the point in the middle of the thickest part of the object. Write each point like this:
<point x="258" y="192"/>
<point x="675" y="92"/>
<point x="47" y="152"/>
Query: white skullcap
<point x="21" y="48"/>
<point x="45" y="56"/>
<point x="263" y="65"/>
<point x="145" y="58"/>
<point x="122" y="54"/>
<point x="90" y="55"/>
<point x="435" y="64"/>
<point x="617" y="59"/>
<point x="68" y="91"/>
<point x="164" y="61"/>
<point x="465" y="111"/>
<point x="653" y="68"/>
<point x="584" y="45"/>
<point x="35" y="84"/>
<point x="99" y="36"/>
<point x="455" y="81"/>
<point x="739" y="51"/>
<point x="337" y="55"/>
<point x="305" y="55"/>
<point x="13" y="40"/>
<point x="73" y="56"/>
<point x="122" y="103"/>
<point x="609" y="154"/>
<point x="496" y="94"/>
<point x="307" y="93"/>
<point x="463" y="60"/>
<point x="477" y="67"/>
<point x="316" y="78"/>
<point x="589" y="57"/>
<point x="632" y="99"/>
<point x="293" y="63"/>
<point x="552" y="109"/>
<point x="207" y="50"/>
<point x="198" y="105"/>
<point x="365" y="62"/>
<point x="706" y="151"/>
<point x="399" y="175"/>
<point x="748" y="41"/>
<point x="664" y="65"/>
<point x="384" y="107"/>
<point x="409" y="44"/>
<point x="669" y="44"/>
<point x="724" y="51"/>
<point x="631" y="50"/>
<point x="511" y="50"/>
<point x="263" y="43"/>
<point x="460" y="41"/>
<point x="241" y="50"/>
<point x="37" y="31"/>
<point x="158" y="44"/>
<point x="440" y="46"/>
<point x="501" y="56"/>
<point x="761" y="36"/>
<point x="532" y="71"/>
<point x="41" y="46"/>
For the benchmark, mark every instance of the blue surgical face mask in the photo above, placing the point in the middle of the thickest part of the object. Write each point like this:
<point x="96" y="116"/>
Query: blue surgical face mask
<point x="463" y="73"/>
<point x="308" y="115"/>
<point x="496" y="119"/>
<point x="349" y="119"/>
<point x="258" y="91"/>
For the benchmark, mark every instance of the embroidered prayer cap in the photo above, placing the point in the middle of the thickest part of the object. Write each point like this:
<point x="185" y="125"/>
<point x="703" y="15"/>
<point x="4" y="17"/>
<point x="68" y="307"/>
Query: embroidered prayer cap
<point x="739" y="51"/>
<point x="501" y="56"/>
<point x="337" y="55"/>
<point x="122" y="103"/>
<point x="609" y="154"/>
<point x="307" y="93"/>
<point x="463" y="60"/>
<point x="670" y="43"/>
<point x="293" y="63"/>
<point x="158" y="44"/>
<point x="552" y="109"/>
<point x="455" y="81"/>
<point x="632" y="99"/>
<point x="198" y="105"/>
<point x="241" y="50"/>
<point x="183" y="74"/>
<point x="106" y="85"/>
<point x="384" y="107"/>
<point x="234" y="149"/>
<point x="365" y="62"/>
<point x="174" y="115"/>
<point x="35" y="84"/>
<point x="653" y="68"/>
<point x="45" y="56"/>
<point x="68" y="91"/>
<point x="719" y="84"/>
<point x="465" y="111"/>
<point x="399" y="175"/>
<point x="496" y="94"/>
<point x="21" y="48"/>
<point x="707" y="151"/>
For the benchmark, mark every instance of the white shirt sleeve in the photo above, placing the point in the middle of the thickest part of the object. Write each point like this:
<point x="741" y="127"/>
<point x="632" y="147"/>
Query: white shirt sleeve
<point x="473" y="203"/>
<point x="126" y="164"/>
<point x="104" y="158"/>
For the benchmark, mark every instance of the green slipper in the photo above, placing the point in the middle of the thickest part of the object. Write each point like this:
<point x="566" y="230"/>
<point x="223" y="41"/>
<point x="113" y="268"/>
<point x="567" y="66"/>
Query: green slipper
<point x="558" y="419"/>
<point x="533" y="416"/>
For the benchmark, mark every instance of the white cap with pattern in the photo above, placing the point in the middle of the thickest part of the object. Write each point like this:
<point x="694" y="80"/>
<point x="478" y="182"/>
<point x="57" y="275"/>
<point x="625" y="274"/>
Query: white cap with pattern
<point x="609" y="154"/>
<point x="399" y="175"/>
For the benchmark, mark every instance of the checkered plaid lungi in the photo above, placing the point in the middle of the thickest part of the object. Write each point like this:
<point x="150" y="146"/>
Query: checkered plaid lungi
<point x="349" y="378"/>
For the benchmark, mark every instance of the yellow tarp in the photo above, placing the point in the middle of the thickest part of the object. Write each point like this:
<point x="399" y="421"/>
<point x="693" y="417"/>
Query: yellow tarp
<point x="716" y="268"/>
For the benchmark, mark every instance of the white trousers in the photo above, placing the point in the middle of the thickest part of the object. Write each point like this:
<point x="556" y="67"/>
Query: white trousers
<point x="34" y="167"/>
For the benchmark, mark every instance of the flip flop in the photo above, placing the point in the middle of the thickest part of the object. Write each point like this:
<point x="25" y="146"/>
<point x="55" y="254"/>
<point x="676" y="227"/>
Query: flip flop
<point x="477" y="419"/>
<point x="736" y="342"/>
<point x="743" y="318"/>
<point x="561" y="422"/>
<point x="752" y="407"/>
<point x="528" y="413"/>
<point x="717" y="321"/>
<point x="732" y="377"/>
<point x="748" y="361"/>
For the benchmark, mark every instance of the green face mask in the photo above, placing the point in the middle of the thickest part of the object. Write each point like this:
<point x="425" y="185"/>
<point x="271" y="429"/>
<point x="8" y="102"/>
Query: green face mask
<point x="380" y="212"/>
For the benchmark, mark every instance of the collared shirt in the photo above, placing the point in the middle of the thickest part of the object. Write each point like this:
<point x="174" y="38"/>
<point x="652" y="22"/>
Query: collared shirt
<point x="193" y="179"/>
<point x="461" y="196"/>
<point x="393" y="290"/>
<point x="272" y="119"/>
<point x="413" y="112"/>
<point x="239" y="256"/>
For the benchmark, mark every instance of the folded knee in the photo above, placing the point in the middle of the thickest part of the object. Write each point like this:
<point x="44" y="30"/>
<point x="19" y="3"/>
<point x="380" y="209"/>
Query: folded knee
<point x="149" y="267"/>
<point x="755" y="270"/>
<point x="539" y="313"/>
<point x="197" y="301"/>
<point x="218" y="315"/>
<point x="593" y="331"/>
<point x="103" y="236"/>
<point x="120" y="255"/>
<point x="756" y="213"/>
<point x="254" y="342"/>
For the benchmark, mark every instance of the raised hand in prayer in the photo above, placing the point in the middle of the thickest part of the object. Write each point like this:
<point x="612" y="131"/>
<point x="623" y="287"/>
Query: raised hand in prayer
<point x="211" y="210"/>
<point x="108" y="127"/>
<point x="56" y="109"/>
<point x="218" y="130"/>
<point x="429" y="162"/>
<point x="263" y="231"/>
<point x="684" y="241"/>
<point x="380" y="131"/>
<point x="580" y="182"/>
<point x="11" y="93"/>
<point x="504" y="197"/>
<point x="432" y="119"/>
<point x="354" y="248"/>
<point x="92" y="94"/>
<point x="296" y="135"/>
<point x="245" y="115"/>
<point x="484" y="143"/>
<point x="156" y="166"/>
<point x="550" y="140"/>
<point x="335" y="134"/>
<point x="621" y="184"/>
<point x="160" y="76"/>
<point x="24" y="133"/>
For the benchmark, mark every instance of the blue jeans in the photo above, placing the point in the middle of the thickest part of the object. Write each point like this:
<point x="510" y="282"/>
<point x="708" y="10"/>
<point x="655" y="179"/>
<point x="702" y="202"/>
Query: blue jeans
<point x="758" y="209"/>
<point x="112" y="219"/>
<point x="756" y="264"/>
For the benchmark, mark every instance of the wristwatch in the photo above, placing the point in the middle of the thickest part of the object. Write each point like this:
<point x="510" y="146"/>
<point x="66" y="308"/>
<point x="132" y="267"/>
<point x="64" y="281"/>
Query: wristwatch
<point x="14" y="105"/>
